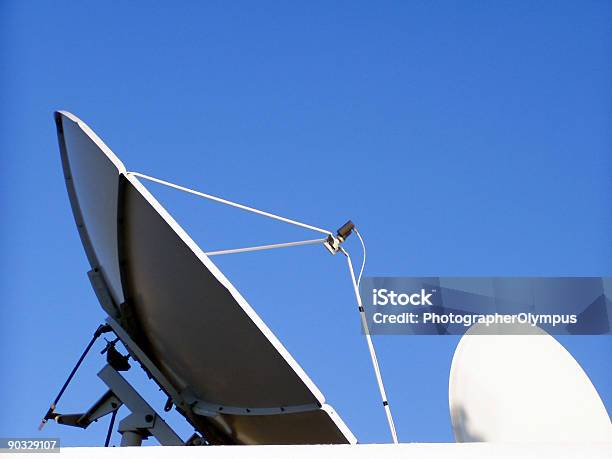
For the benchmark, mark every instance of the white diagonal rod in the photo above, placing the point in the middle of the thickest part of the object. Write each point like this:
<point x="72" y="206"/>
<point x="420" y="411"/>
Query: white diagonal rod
<point x="364" y="323"/>
<point x="266" y="247"/>
<point x="230" y="203"/>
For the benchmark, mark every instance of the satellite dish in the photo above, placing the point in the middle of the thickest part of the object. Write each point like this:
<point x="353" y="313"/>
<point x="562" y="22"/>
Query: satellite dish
<point x="197" y="336"/>
<point x="528" y="388"/>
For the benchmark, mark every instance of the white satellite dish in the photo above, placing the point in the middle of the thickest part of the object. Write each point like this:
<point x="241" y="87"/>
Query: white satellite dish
<point x="522" y="388"/>
<point x="180" y="316"/>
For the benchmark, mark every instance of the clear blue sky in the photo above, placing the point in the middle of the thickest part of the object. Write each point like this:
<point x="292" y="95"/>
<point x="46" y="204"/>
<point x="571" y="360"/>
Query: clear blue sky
<point x="464" y="138"/>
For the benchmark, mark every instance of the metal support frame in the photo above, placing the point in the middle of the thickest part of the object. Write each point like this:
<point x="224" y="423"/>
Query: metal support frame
<point x="106" y="404"/>
<point x="143" y="421"/>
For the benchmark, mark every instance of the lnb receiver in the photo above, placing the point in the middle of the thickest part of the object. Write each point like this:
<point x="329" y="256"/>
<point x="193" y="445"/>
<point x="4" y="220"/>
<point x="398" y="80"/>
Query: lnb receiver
<point x="332" y="243"/>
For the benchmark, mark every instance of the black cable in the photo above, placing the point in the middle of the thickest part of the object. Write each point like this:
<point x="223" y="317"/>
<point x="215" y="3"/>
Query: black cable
<point x="110" y="428"/>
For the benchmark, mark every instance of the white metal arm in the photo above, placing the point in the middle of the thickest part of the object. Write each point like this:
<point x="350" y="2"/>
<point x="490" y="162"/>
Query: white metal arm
<point x="230" y="203"/>
<point x="266" y="247"/>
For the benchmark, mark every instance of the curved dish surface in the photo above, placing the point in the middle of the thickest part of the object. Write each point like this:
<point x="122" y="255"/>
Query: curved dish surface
<point x="508" y="387"/>
<point x="183" y="312"/>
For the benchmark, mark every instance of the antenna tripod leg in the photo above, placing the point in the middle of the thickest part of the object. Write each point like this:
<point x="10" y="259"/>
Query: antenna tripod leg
<point x="104" y="328"/>
<point x="110" y="428"/>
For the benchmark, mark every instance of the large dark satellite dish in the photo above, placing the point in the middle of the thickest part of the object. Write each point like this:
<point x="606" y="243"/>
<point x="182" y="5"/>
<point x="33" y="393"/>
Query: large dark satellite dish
<point x="169" y="298"/>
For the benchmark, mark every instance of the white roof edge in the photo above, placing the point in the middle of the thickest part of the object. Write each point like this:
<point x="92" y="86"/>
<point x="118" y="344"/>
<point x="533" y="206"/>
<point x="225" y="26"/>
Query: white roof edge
<point x="385" y="451"/>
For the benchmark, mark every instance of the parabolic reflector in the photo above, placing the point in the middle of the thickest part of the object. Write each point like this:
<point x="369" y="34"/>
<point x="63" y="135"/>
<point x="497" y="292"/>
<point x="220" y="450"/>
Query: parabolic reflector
<point x="508" y="387"/>
<point x="179" y="308"/>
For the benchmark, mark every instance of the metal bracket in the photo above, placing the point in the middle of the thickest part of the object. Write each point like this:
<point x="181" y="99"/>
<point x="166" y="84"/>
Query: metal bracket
<point x="105" y="405"/>
<point x="332" y="243"/>
<point x="143" y="422"/>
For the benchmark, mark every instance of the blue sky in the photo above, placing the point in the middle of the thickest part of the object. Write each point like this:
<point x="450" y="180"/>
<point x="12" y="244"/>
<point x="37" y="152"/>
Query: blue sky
<point x="463" y="139"/>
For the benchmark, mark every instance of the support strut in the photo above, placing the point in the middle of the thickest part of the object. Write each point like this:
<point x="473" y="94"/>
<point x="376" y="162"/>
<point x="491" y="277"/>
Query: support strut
<point x="104" y="328"/>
